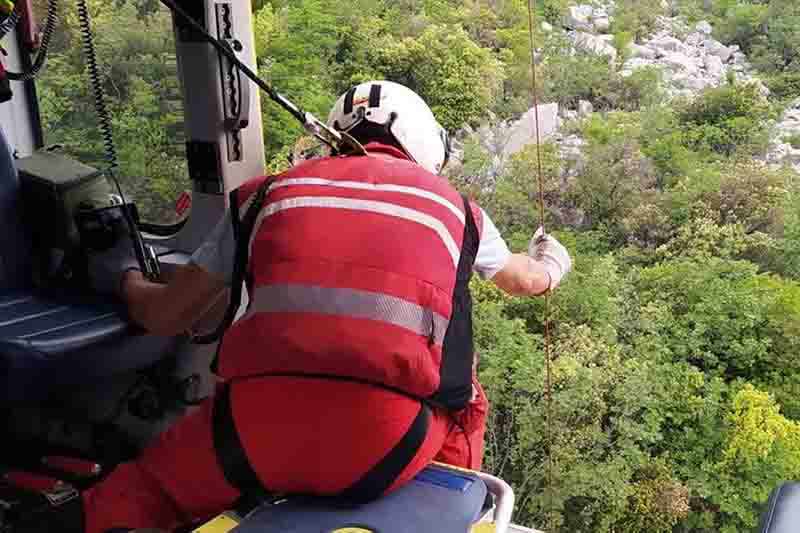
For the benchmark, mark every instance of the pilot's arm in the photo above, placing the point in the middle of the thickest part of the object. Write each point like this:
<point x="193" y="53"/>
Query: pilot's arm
<point x="172" y="307"/>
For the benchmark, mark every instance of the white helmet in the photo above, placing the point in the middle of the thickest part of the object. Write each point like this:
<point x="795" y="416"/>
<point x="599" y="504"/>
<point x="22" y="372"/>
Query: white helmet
<point x="402" y="112"/>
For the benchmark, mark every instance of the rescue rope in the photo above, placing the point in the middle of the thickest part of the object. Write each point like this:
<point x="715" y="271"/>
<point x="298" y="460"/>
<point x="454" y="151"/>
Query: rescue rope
<point x="548" y="358"/>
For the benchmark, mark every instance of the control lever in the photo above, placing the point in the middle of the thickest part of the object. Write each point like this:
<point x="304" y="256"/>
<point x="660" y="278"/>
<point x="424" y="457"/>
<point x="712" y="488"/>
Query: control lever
<point x="145" y="254"/>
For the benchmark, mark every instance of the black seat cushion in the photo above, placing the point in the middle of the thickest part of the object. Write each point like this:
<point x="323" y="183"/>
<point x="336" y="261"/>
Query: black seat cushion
<point x="782" y="514"/>
<point x="56" y="324"/>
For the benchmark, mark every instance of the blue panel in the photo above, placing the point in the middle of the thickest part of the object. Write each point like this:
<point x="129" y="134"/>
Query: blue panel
<point x="445" y="478"/>
<point x="420" y="506"/>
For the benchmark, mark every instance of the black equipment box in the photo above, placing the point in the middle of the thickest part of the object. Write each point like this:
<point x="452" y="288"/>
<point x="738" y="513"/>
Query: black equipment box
<point x="53" y="187"/>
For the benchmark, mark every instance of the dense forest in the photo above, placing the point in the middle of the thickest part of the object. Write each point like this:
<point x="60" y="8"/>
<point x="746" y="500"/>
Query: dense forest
<point x="676" y="376"/>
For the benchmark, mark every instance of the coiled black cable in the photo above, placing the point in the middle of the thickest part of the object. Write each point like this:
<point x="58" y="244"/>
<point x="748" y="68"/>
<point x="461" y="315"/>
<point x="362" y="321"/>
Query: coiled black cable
<point x="47" y="34"/>
<point x="149" y="267"/>
<point x="103" y="117"/>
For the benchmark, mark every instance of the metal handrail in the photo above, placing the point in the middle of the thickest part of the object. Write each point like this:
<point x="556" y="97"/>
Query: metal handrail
<point x="504" y="500"/>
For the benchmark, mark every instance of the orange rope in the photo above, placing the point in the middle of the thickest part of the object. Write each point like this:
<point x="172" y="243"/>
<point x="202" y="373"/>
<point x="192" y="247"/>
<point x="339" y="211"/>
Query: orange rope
<point x="548" y="358"/>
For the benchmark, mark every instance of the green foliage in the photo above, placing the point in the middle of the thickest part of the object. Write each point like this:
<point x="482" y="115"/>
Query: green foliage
<point x="570" y="76"/>
<point x="636" y="18"/>
<point x="785" y="85"/>
<point x="742" y="24"/>
<point x="727" y="119"/>
<point x="794" y="141"/>
<point x="762" y="447"/>
<point x="457" y="78"/>
<point x="766" y="30"/>
<point x="553" y="11"/>
<point x="139" y="74"/>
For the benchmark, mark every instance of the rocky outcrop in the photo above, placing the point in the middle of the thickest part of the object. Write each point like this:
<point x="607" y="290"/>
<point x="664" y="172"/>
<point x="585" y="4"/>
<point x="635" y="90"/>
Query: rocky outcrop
<point x="595" y="44"/>
<point x="587" y="27"/>
<point x="523" y="132"/>
<point x="785" y="147"/>
<point x="588" y="18"/>
<point x="502" y="139"/>
<point x="689" y="58"/>
<point x="691" y="64"/>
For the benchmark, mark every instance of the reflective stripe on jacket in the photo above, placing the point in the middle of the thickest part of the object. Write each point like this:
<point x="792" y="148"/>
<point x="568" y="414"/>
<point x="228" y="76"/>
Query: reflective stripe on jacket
<point x="353" y="266"/>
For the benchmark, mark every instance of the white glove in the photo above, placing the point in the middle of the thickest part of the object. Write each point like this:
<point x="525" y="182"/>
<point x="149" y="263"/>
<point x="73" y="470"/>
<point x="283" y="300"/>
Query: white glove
<point x="546" y="250"/>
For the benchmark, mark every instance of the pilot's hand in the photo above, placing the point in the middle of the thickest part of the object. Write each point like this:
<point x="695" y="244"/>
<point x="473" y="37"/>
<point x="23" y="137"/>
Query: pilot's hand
<point x="107" y="266"/>
<point x="552" y="255"/>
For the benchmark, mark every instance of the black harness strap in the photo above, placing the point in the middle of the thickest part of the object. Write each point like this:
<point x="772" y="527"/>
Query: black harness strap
<point x="455" y="385"/>
<point x="231" y="456"/>
<point x="380" y="477"/>
<point x="242" y="231"/>
<point x="238" y="471"/>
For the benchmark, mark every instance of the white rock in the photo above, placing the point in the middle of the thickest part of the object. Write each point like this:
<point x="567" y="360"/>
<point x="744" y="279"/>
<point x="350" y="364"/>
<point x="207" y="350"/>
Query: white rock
<point x="606" y="38"/>
<point x="547" y="27"/>
<point x="718" y="49"/>
<point x="695" y="39"/>
<point x="593" y="44"/>
<point x="602" y="24"/>
<point x="569" y="114"/>
<point x="677" y="61"/>
<point x="666" y="44"/>
<point x="695" y="83"/>
<point x="638" y="51"/>
<point x="704" y="27"/>
<point x="635" y="63"/>
<point x="714" y="66"/>
<point x="579" y="18"/>
<point x="523" y="133"/>
<point x="585" y="108"/>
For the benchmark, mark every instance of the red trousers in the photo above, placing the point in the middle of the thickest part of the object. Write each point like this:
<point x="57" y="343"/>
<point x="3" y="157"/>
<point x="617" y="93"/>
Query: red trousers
<point x="301" y="435"/>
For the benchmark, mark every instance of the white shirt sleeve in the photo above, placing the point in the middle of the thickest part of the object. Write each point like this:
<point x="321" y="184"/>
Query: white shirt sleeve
<point x="215" y="255"/>
<point x="493" y="253"/>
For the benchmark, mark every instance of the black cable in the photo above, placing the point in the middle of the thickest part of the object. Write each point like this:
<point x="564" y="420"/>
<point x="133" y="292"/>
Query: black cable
<point x="298" y="113"/>
<point x="335" y="139"/>
<point x="103" y="117"/>
<point x="47" y="34"/>
<point x="149" y="269"/>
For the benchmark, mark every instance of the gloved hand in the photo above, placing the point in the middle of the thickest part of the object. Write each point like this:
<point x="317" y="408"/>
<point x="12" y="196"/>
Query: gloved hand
<point x="552" y="254"/>
<point x="109" y="263"/>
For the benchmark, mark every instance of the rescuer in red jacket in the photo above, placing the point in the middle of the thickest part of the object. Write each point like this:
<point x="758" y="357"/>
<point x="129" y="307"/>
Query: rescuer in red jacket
<point x="352" y="367"/>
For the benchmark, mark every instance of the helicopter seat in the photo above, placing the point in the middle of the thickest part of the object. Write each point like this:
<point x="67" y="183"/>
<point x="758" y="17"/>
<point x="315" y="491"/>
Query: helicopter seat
<point x="48" y="340"/>
<point x="782" y="514"/>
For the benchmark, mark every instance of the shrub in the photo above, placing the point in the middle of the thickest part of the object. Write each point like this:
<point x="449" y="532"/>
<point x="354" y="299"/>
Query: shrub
<point x="727" y="119"/>
<point x="785" y="85"/>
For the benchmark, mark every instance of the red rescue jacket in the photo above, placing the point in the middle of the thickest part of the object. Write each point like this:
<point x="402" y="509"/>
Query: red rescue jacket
<point x="358" y="269"/>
